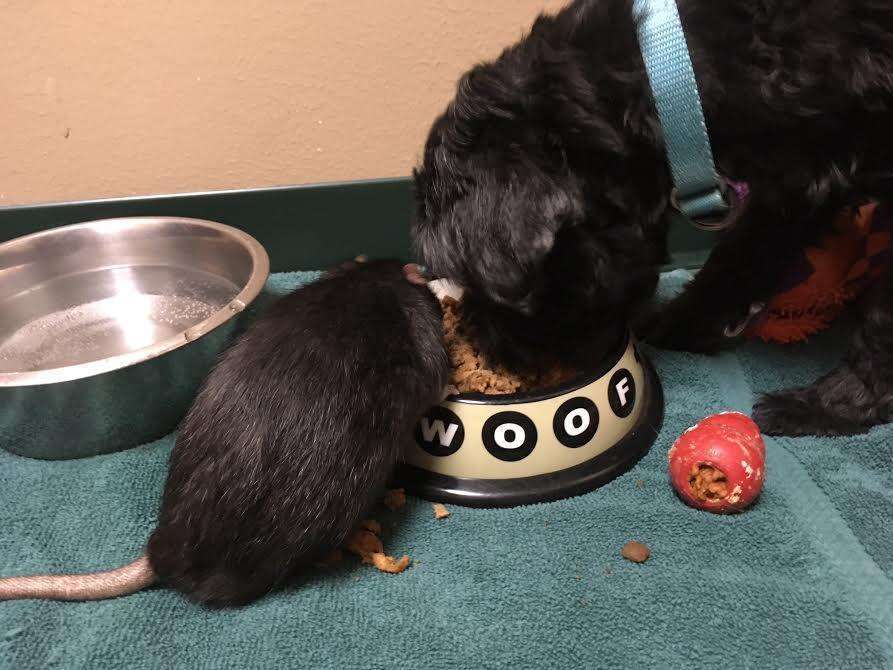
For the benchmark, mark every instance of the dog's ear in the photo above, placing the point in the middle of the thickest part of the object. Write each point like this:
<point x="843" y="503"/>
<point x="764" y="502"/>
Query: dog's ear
<point x="495" y="239"/>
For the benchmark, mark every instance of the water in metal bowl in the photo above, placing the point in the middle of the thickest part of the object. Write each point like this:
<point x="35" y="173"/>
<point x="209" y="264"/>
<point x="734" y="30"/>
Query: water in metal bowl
<point x="107" y="328"/>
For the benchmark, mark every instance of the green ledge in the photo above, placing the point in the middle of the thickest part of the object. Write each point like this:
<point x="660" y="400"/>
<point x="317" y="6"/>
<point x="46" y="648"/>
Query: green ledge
<point x="310" y="226"/>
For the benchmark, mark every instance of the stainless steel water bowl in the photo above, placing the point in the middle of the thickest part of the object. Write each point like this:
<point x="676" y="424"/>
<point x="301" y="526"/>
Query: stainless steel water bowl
<point x="108" y="327"/>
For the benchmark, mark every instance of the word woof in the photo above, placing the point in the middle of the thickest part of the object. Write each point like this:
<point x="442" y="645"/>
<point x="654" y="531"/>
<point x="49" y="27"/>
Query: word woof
<point x="512" y="435"/>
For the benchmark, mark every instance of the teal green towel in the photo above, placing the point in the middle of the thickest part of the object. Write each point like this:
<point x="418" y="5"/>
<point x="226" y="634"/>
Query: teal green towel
<point x="801" y="580"/>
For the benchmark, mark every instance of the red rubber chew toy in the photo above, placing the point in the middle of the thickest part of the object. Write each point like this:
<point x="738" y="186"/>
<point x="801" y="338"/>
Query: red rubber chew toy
<point x="719" y="465"/>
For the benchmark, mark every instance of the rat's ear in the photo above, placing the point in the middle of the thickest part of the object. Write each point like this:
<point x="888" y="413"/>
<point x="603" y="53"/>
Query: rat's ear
<point x="414" y="275"/>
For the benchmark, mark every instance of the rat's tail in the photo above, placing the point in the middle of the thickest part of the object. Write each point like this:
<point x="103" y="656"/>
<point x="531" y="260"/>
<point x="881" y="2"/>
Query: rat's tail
<point x="122" y="581"/>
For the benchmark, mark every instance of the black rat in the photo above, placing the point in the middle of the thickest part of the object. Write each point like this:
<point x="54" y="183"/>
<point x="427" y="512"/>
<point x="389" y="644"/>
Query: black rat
<point x="289" y="442"/>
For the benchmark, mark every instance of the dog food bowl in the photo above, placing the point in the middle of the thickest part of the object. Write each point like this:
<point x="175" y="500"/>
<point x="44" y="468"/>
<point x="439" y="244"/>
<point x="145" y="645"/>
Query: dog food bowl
<point x="108" y="327"/>
<point x="500" y="451"/>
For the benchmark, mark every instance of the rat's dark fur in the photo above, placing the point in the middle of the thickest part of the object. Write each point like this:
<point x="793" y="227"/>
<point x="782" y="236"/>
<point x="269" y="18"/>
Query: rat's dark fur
<point x="291" y="439"/>
<point x="544" y="187"/>
<point x="296" y="432"/>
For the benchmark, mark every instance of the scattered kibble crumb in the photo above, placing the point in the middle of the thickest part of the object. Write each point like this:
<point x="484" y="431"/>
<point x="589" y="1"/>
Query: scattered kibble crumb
<point x="366" y="544"/>
<point x="388" y="563"/>
<point x="640" y="483"/>
<point x="635" y="552"/>
<point x="395" y="499"/>
<point x="440" y="511"/>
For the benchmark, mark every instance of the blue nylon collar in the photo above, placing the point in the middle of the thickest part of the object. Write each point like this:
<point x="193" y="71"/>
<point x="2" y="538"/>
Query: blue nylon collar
<point x="699" y="192"/>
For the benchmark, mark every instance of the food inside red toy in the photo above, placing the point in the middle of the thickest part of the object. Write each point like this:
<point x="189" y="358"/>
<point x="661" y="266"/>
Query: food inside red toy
<point x="708" y="482"/>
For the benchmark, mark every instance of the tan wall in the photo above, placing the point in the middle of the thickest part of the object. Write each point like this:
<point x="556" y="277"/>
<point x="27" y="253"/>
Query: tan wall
<point x="102" y="98"/>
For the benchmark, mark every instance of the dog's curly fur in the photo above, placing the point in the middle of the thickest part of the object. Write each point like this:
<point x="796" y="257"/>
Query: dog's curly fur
<point x="544" y="187"/>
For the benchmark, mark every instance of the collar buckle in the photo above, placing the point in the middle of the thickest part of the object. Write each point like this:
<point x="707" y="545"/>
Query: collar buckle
<point x="709" y="209"/>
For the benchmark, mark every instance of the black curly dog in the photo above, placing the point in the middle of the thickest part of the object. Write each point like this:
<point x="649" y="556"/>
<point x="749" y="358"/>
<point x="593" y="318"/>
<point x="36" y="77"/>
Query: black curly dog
<point x="545" y="190"/>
